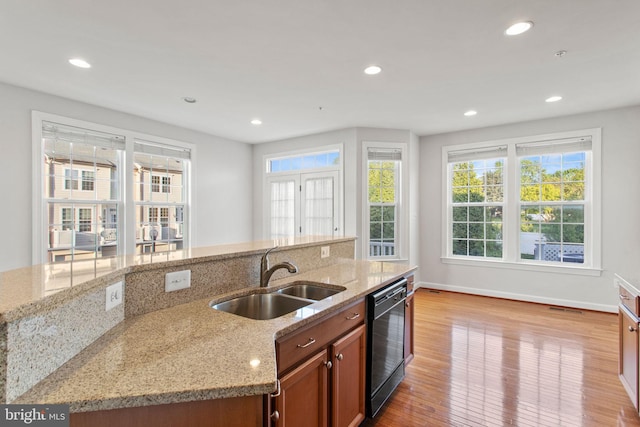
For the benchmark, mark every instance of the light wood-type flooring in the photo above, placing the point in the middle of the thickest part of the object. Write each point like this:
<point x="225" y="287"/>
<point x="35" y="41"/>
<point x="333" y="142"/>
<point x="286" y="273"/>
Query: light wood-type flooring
<point x="491" y="362"/>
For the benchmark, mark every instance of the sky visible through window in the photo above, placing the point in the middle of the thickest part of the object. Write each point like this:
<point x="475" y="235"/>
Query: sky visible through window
<point x="308" y="161"/>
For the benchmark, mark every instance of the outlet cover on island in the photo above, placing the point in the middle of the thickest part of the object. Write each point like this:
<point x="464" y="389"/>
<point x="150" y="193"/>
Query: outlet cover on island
<point x="114" y="296"/>
<point x="177" y="280"/>
<point x="325" y="251"/>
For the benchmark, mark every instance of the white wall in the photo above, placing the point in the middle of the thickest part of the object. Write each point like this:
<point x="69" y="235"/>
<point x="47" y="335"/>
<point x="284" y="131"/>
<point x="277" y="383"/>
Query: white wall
<point x="223" y="171"/>
<point x="352" y="139"/>
<point x="620" y="229"/>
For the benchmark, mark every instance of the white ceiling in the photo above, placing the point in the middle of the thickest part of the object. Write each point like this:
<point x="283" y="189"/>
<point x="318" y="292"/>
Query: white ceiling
<point x="281" y="60"/>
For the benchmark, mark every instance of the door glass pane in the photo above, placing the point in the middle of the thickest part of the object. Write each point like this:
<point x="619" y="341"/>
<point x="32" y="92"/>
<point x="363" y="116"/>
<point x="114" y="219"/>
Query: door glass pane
<point x="318" y="207"/>
<point x="282" y="209"/>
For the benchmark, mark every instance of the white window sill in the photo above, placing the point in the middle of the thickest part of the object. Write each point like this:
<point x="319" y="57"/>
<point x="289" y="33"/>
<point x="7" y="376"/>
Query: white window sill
<point x="526" y="266"/>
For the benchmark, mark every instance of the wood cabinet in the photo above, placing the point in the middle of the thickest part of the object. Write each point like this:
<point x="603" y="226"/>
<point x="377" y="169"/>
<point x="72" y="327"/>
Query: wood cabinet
<point x="233" y="411"/>
<point x="628" y="366"/>
<point x="408" y="321"/>
<point x="408" y="328"/>
<point x="629" y="350"/>
<point x="321" y="370"/>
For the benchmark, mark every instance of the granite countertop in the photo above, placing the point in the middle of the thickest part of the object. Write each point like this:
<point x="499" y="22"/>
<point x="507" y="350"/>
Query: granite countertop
<point x="191" y="352"/>
<point x="27" y="290"/>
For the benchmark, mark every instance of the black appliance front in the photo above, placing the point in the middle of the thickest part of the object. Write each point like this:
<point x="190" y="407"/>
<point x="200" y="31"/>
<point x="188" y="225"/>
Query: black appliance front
<point x="385" y="343"/>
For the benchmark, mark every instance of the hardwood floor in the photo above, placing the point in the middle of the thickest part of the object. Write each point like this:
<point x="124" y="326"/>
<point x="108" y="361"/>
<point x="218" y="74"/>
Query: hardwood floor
<point x="491" y="362"/>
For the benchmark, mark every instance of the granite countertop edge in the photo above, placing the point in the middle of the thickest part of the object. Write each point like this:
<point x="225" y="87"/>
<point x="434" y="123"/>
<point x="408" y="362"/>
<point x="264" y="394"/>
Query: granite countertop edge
<point x="269" y="330"/>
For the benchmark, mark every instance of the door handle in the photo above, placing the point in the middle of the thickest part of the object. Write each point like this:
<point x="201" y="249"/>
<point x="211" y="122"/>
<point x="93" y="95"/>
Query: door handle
<point x="355" y="316"/>
<point x="340" y="356"/>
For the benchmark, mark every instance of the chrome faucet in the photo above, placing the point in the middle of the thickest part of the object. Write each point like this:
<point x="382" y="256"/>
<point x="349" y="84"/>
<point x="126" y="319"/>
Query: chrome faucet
<point x="266" y="272"/>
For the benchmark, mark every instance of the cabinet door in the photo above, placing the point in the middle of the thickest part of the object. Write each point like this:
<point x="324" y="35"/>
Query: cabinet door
<point x="303" y="395"/>
<point x="408" y="328"/>
<point x="628" y="365"/>
<point x="348" y="379"/>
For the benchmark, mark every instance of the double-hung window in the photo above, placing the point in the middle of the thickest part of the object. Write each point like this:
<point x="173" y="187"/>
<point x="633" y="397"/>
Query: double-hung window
<point x="527" y="201"/>
<point x="102" y="191"/>
<point x="384" y="216"/>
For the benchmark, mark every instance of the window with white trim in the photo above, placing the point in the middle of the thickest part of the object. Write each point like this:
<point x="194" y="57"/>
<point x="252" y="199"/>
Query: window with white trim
<point x="160" y="199"/>
<point x="529" y="201"/>
<point x="384" y="216"/>
<point x="80" y="191"/>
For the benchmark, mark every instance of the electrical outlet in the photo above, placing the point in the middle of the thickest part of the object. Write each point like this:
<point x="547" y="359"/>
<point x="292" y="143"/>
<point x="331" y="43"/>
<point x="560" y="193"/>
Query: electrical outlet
<point x="115" y="296"/>
<point x="325" y="251"/>
<point x="177" y="280"/>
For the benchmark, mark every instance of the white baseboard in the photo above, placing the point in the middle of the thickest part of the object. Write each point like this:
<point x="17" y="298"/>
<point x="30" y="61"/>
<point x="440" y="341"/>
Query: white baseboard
<point x="520" y="297"/>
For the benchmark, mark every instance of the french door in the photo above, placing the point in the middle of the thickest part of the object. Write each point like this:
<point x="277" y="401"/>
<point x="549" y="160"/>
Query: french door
<point x="306" y="204"/>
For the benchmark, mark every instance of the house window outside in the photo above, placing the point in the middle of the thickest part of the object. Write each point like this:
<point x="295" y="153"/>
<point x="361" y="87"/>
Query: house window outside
<point x="528" y="201"/>
<point x="88" y="179"/>
<point x="84" y="220"/>
<point x="67" y="218"/>
<point x="383" y="219"/>
<point x="70" y="179"/>
<point x="82" y="187"/>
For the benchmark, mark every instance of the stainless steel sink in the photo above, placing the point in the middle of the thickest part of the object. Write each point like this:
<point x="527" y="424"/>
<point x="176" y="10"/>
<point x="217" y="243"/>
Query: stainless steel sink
<point x="262" y="306"/>
<point x="265" y="306"/>
<point x="309" y="290"/>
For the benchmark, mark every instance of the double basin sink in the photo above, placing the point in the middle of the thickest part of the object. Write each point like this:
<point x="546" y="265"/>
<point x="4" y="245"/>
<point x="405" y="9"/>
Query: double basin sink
<point x="265" y="306"/>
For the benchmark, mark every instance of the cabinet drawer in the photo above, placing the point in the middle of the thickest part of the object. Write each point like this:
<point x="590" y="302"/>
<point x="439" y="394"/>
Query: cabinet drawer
<point x="297" y="345"/>
<point x="629" y="300"/>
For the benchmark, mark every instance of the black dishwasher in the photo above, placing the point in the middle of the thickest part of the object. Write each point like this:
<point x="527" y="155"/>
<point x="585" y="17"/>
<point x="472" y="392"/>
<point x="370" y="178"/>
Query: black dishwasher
<point x="385" y="343"/>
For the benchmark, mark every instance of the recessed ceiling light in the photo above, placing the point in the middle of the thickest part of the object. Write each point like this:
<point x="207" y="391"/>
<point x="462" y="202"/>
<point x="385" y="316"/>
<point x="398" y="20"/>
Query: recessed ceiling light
<point x="519" y="28"/>
<point x="189" y="100"/>
<point x="554" y="98"/>
<point x="256" y="122"/>
<point x="471" y="113"/>
<point x="81" y="63"/>
<point x="372" y="70"/>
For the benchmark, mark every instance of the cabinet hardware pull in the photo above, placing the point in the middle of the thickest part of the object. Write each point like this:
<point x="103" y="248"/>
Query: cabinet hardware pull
<point x="328" y="364"/>
<point x="275" y="416"/>
<point x="622" y="296"/>
<point x="632" y="329"/>
<point x="278" y="390"/>
<point x="311" y="341"/>
<point x="355" y="316"/>
<point x="339" y="356"/>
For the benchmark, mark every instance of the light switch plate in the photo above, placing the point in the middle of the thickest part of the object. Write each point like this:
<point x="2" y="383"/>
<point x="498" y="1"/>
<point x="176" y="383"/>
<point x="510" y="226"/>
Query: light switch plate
<point x="115" y="296"/>
<point x="177" y="280"/>
<point x="325" y="251"/>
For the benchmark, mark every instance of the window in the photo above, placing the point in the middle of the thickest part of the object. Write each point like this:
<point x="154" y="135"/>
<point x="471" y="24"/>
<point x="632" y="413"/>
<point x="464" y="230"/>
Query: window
<point x="81" y="185"/>
<point x="527" y="201"/>
<point x="384" y="220"/>
<point x="477" y="205"/>
<point x="303" y="194"/>
<point x="160" y="173"/>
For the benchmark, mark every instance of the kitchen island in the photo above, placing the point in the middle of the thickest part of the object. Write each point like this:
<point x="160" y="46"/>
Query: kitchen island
<point x="189" y="352"/>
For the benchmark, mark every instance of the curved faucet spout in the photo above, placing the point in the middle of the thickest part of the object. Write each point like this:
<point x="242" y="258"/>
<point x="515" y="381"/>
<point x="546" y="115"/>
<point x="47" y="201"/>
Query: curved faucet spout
<point x="266" y="272"/>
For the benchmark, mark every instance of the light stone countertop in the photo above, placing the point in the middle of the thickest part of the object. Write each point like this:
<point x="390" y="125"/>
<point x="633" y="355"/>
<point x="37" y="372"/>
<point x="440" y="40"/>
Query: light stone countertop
<point x="25" y="291"/>
<point x="191" y="352"/>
